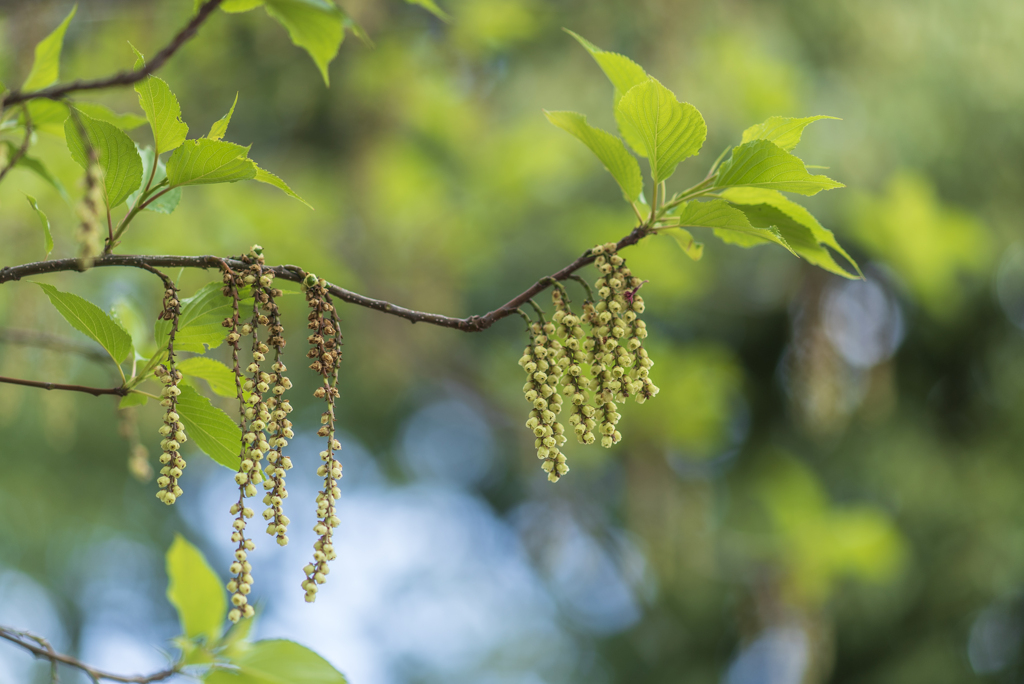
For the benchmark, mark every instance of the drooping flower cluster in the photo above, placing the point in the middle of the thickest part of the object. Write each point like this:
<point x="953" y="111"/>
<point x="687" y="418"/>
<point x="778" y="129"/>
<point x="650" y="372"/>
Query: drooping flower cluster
<point x="619" y="366"/>
<point x="325" y="341"/>
<point x="541" y="361"/>
<point x="575" y="382"/>
<point x="254" y="413"/>
<point x="595" y="358"/>
<point x="172" y="432"/>
<point x="278" y="426"/>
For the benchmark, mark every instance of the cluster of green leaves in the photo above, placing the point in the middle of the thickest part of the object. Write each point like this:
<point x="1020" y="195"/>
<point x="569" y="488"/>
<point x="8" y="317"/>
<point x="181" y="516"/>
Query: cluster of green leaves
<point x="741" y="199"/>
<point x="137" y="175"/>
<point x="216" y="656"/>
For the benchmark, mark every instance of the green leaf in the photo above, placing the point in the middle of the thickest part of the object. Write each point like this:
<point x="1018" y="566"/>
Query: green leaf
<point x="235" y="641"/>
<point x="431" y="7"/>
<point x="782" y="130"/>
<point x="220" y="378"/>
<point x="264" y="176"/>
<point x="47" y="238"/>
<point x="162" y="109"/>
<point x="730" y="224"/>
<point x="125" y="122"/>
<point x="165" y="203"/>
<point x="803" y="232"/>
<point x="90" y="319"/>
<point x="220" y="126"/>
<point x="46" y="66"/>
<point x="316" y="26"/>
<point x="211" y="429"/>
<point x="120" y="161"/>
<point x="608" y="148"/>
<point x="669" y="130"/>
<point x="763" y="164"/>
<point x="278" y="661"/>
<point x="199" y="323"/>
<point x="693" y="249"/>
<point x="48" y="116"/>
<point x="204" y="161"/>
<point x="132" y="399"/>
<point x="195" y="591"/>
<point x="624" y="73"/>
<point x="131" y="319"/>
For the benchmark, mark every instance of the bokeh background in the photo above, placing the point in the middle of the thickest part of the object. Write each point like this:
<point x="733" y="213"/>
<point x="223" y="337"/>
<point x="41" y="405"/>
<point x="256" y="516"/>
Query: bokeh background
<point x="828" y="488"/>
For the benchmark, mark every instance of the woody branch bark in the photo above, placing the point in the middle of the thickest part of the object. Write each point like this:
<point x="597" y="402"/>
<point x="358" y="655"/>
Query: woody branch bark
<point x="475" y="323"/>
<point x="41" y="648"/>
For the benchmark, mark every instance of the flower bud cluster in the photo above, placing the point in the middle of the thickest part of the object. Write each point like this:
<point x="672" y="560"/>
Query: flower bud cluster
<point x="254" y="415"/>
<point x="324" y="341"/>
<point x="636" y="382"/>
<point x="598" y="354"/>
<point x="240" y="585"/>
<point x="643" y="387"/>
<point x="544" y="361"/>
<point x="278" y="426"/>
<point x="575" y="383"/>
<point x="172" y="432"/>
<point x="610" y="361"/>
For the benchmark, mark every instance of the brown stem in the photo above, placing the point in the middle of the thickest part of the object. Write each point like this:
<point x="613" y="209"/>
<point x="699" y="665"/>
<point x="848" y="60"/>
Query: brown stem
<point x="296" y="274"/>
<point x="122" y="78"/>
<point x="95" y="391"/>
<point x="42" y="649"/>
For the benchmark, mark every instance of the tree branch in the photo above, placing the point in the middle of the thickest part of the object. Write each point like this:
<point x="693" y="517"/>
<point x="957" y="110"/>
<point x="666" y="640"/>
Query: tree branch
<point x="42" y="649"/>
<point x="296" y="274"/>
<point x="122" y="78"/>
<point x="95" y="391"/>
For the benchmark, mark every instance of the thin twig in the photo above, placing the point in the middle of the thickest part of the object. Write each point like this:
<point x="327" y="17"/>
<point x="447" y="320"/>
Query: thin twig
<point x="122" y="78"/>
<point x="95" y="391"/>
<point x="166" y="279"/>
<point x="42" y="649"/>
<point x="294" y="274"/>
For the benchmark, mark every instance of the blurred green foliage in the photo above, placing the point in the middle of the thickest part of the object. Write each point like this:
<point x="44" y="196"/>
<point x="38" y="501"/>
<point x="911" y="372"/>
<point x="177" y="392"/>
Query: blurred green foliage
<point x="840" y="460"/>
